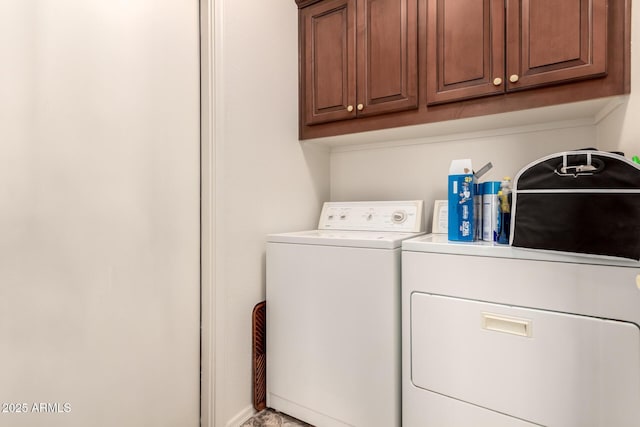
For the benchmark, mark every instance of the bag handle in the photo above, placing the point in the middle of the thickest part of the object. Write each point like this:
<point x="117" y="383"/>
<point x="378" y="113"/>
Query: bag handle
<point x="591" y="166"/>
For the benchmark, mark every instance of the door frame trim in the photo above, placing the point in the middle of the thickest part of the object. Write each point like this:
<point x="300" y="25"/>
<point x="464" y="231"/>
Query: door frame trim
<point x="209" y="15"/>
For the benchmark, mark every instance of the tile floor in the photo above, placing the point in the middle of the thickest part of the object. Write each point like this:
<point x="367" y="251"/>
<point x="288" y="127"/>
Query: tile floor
<point x="273" y="418"/>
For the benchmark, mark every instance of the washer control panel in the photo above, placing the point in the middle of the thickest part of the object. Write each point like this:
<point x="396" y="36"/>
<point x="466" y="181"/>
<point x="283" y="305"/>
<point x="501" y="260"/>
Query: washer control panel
<point x="401" y="216"/>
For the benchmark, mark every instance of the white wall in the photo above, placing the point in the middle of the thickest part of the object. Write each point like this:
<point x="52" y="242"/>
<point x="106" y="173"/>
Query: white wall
<point x="266" y="181"/>
<point x="620" y="131"/>
<point x="415" y="170"/>
<point x="99" y="211"/>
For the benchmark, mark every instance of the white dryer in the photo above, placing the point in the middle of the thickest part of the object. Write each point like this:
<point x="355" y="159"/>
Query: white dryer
<point x="496" y="336"/>
<point x="333" y="315"/>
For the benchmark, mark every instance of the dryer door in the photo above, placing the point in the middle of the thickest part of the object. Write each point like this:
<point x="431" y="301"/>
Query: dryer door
<point x="544" y="367"/>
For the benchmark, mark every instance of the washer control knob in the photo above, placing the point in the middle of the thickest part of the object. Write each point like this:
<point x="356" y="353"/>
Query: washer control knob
<point x="398" y="217"/>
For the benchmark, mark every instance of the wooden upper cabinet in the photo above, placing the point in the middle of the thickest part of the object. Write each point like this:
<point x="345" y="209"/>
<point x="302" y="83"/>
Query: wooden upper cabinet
<point x="379" y="64"/>
<point x="547" y="42"/>
<point x="551" y="41"/>
<point x="358" y="58"/>
<point x="328" y="36"/>
<point x="465" y="47"/>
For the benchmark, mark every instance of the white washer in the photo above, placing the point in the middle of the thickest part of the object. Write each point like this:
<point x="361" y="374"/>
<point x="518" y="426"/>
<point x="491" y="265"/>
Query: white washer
<point x="498" y="336"/>
<point x="333" y="315"/>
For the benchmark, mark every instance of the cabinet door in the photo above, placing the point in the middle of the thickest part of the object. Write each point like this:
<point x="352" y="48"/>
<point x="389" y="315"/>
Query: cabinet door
<point x="550" y="41"/>
<point x="465" y="49"/>
<point x="387" y="56"/>
<point x="328" y="60"/>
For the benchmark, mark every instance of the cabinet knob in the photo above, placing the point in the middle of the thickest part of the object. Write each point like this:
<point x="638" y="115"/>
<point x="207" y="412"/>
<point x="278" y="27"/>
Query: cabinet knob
<point x="514" y="78"/>
<point x="350" y="108"/>
<point x="497" y="81"/>
<point x="360" y="107"/>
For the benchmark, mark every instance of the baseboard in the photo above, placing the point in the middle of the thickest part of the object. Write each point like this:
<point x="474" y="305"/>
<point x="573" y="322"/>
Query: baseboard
<point x="241" y="417"/>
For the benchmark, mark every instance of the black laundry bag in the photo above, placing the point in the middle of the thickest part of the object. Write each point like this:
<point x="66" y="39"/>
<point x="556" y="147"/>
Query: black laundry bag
<point x="578" y="201"/>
